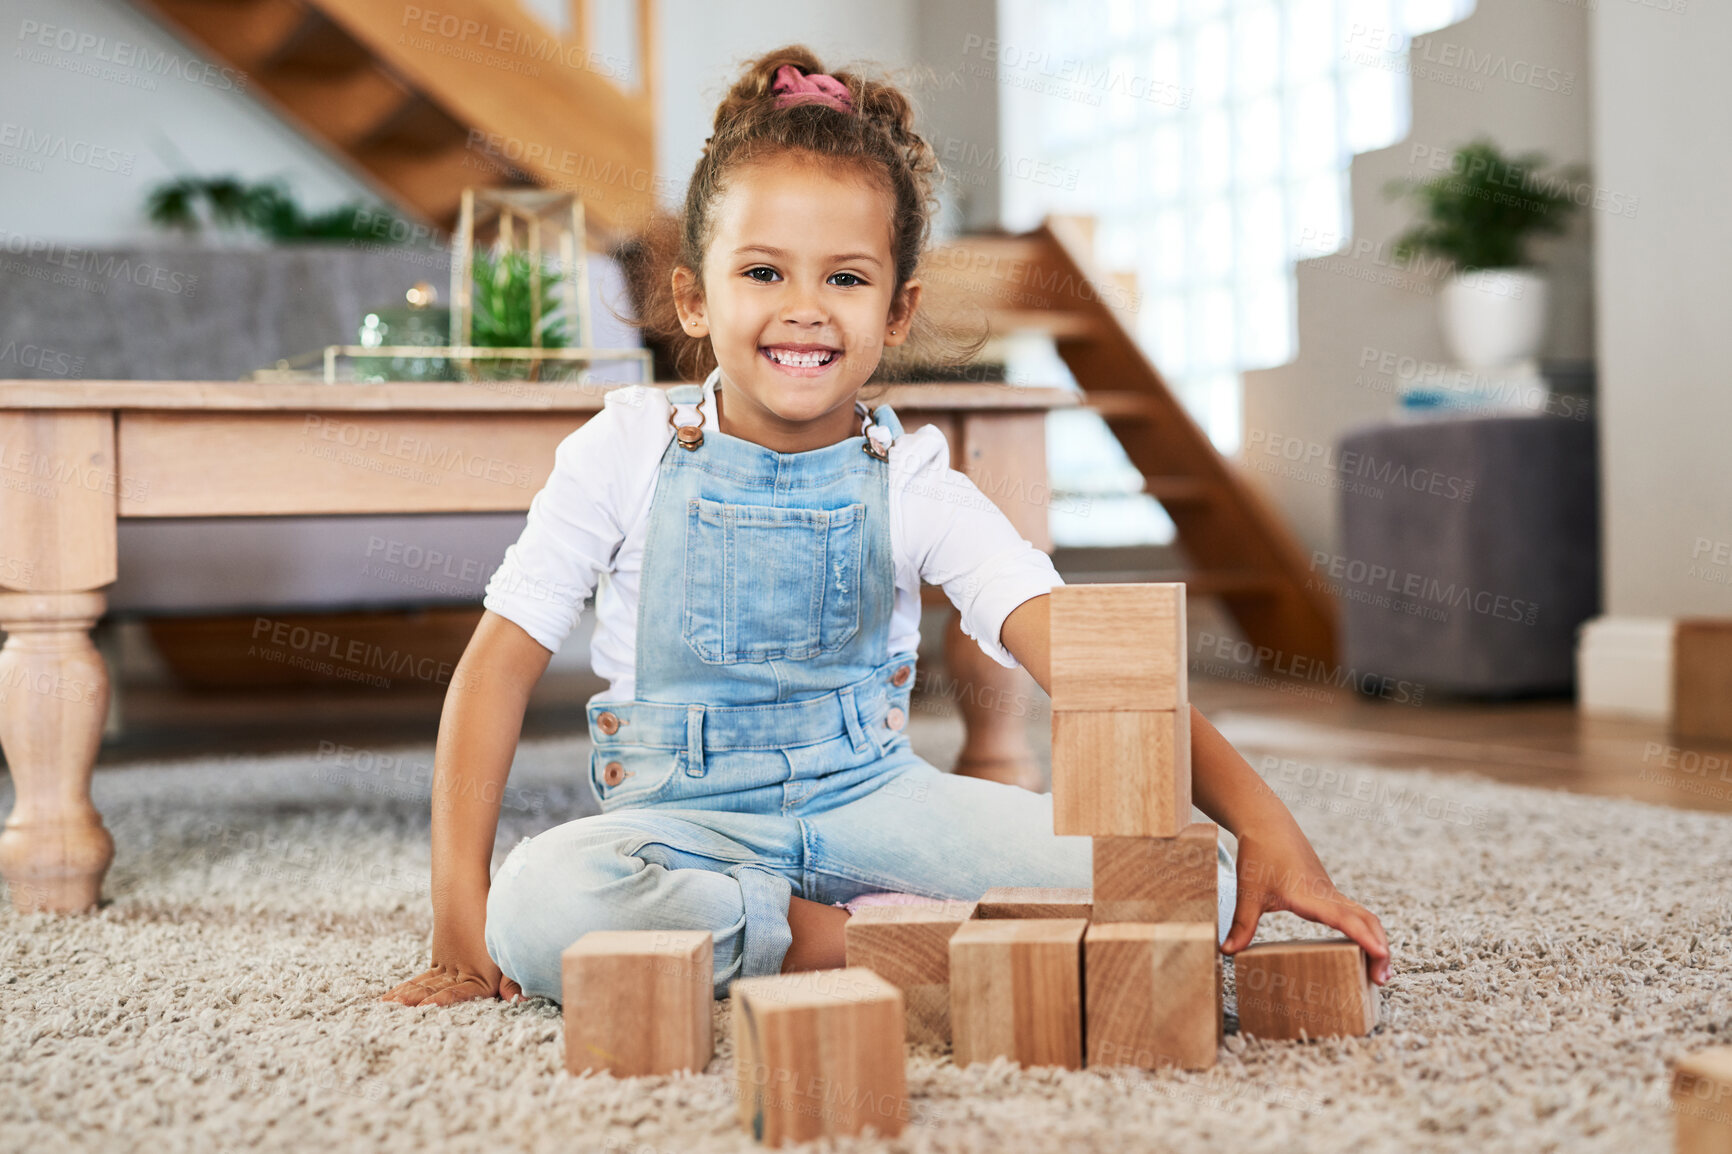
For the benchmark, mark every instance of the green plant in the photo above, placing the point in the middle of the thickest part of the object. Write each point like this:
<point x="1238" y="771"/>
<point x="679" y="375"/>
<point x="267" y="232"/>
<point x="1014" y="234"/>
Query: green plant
<point x="1481" y="213"/>
<point x="500" y="316"/>
<point x="265" y="207"/>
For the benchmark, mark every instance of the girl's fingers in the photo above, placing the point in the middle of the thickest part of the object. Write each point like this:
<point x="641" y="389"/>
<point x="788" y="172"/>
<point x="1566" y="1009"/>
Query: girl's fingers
<point x="510" y="990"/>
<point x="1246" y="912"/>
<point x="1361" y="926"/>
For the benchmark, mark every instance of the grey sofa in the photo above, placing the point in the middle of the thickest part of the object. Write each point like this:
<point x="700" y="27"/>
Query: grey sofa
<point x="1470" y="552"/>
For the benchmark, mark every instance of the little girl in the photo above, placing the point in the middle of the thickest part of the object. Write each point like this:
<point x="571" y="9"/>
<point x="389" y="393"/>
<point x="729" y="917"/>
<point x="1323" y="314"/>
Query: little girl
<point x="763" y="537"/>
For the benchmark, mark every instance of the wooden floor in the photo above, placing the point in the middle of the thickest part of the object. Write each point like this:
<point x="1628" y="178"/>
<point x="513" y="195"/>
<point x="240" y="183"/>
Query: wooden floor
<point x="1543" y="744"/>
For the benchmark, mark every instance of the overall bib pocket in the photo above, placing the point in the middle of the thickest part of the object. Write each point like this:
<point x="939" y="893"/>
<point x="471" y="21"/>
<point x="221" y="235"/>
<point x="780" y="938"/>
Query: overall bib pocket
<point x="623" y="774"/>
<point x="764" y="582"/>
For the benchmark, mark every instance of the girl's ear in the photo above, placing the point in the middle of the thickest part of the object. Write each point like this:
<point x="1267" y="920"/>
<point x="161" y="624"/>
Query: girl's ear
<point x="689" y="302"/>
<point x="902" y="313"/>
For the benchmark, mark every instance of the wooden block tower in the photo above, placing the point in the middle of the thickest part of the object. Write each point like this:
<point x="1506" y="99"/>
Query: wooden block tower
<point x="1127" y="972"/>
<point x="1121" y="774"/>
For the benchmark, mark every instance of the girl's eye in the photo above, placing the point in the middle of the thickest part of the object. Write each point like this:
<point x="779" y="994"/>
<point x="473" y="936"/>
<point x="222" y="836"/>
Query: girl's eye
<point x="853" y="278"/>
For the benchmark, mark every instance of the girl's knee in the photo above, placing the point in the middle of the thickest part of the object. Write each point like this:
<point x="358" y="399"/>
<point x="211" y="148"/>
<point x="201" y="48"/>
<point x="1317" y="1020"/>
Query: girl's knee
<point x="539" y="903"/>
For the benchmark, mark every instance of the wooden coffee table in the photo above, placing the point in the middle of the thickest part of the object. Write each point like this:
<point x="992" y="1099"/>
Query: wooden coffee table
<point x="76" y="456"/>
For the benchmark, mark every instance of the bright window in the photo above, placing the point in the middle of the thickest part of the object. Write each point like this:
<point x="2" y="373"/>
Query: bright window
<point x="1207" y="137"/>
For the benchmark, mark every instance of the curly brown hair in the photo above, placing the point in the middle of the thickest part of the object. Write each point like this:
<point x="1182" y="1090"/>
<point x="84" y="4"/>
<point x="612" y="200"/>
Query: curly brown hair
<point x="877" y="139"/>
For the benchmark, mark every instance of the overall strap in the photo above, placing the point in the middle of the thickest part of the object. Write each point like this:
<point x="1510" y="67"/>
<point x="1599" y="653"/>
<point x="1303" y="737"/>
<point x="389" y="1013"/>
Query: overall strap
<point x="685" y="415"/>
<point x="880" y="428"/>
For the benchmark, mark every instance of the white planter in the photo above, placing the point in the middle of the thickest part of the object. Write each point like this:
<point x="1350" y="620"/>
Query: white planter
<point x="1494" y="317"/>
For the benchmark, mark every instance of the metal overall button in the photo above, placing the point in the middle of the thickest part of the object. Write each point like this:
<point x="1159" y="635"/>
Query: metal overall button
<point x="895" y="718"/>
<point x="613" y="773"/>
<point x="900" y="677"/>
<point x="607" y="722"/>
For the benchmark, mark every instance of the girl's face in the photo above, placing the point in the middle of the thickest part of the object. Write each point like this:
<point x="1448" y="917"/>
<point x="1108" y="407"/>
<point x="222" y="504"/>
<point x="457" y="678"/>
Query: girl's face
<point x="797" y="293"/>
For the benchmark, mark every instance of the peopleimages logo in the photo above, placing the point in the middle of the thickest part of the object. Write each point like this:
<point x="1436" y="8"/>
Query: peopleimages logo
<point x="1418" y="589"/>
<point x="1350" y="463"/>
<point x="107" y="266"/>
<point x="125" y="54"/>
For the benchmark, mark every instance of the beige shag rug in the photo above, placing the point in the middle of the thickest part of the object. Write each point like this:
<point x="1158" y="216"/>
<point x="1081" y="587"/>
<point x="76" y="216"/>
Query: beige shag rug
<point x="1553" y="954"/>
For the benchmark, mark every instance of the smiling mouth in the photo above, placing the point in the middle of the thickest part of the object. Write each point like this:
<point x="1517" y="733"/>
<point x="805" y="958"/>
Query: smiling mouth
<point x="800" y="358"/>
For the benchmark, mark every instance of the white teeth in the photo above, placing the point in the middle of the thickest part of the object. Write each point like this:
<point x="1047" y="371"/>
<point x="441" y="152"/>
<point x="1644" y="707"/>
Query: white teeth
<point x="798" y="360"/>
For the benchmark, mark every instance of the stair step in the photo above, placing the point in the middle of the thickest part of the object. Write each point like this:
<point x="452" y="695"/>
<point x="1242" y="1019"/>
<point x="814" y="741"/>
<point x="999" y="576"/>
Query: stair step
<point x="432" y="179"/>
<point x="345" y="109"/>
<point x="246" y="33"/>
<point x="1180" y="490"/>
<point x="1130" y="403"/>
<point x="1056" y="323"/>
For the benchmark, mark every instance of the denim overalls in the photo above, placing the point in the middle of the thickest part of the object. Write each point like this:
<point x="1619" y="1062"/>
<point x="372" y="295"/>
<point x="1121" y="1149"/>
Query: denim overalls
<point x="765" y="754"/>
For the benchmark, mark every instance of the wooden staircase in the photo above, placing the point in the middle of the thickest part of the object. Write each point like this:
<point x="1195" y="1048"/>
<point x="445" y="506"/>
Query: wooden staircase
<point x="422" y="101"/>
<point x="1239" y="550"/>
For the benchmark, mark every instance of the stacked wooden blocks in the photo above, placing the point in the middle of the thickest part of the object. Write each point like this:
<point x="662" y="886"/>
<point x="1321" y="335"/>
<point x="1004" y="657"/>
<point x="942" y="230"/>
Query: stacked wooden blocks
<point x="1121" y="775"/>
<point x="1128" y="972"/>
<point x="909" y="947"/>
<point x="1121" y="721"/>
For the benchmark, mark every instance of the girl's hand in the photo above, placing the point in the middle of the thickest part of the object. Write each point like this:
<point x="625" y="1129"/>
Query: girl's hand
<point x="455" y="981"/>
<point x="1278" y="870"/>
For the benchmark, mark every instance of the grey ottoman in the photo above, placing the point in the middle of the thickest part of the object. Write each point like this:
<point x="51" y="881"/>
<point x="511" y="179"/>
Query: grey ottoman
<point x="1470" y="552"/>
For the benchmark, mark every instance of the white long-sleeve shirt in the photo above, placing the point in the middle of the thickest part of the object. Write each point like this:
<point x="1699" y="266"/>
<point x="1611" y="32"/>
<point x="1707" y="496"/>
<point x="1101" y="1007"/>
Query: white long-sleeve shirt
<point x="586" y="530"/>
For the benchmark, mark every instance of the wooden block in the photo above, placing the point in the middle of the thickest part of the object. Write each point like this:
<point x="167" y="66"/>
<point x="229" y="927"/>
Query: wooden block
<point x="1321" y="987"/>
<point x="819" y="1052"/>
<point x="909" y="947"/>
<point x="1016" y="991"/>
<point x="1154" y="994"/>
<point x="1702" y="1102"/>
<point x="1702" y="678"/>
<point x="1118" y="646"/>
<point x="1118" y="773"/>
<point x="639" y="1001"/>
<point x="1034" y="902"/>
<point x="1157" y="879"/>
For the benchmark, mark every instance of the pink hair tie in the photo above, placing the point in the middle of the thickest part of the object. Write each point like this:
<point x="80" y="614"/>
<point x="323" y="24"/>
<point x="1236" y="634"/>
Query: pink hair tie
<point x="795" y="87"/>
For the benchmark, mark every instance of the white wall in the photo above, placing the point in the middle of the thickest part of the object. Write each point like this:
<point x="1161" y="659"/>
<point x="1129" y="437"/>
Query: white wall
<point x="703" y="46"/>
<point x="1663" y="131"/>
<point x="135" y="127"/>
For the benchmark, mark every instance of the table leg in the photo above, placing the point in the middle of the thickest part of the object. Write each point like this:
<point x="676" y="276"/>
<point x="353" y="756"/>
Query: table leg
<point x="54" y="849"/>
<point x="1005" y="456"/>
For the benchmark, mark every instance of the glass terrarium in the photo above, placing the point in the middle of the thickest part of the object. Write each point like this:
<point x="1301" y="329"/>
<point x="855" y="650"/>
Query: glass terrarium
<point x="519" y="308"/>
<point x="418" y="323"/>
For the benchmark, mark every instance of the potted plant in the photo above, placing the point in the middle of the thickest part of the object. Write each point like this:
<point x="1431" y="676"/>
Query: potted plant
<point x="267" y="208"/>
<point x="1479" y="217"/>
